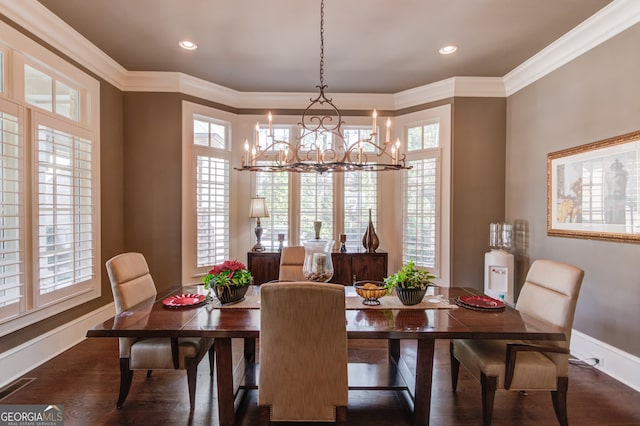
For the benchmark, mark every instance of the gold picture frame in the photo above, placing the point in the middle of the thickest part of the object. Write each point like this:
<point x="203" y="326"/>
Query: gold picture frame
<point x="593" y="190"/>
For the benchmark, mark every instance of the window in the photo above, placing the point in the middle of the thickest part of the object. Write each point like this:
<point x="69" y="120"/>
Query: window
<point x="274" y="187"/>
<point x="297" y="200"/>
<point x="44" y="91"/>
<point x="316" y="204"/>
<point x="65" y="203"/>
<point x="206" y="192"/>
<point x="49" y="185"/>
<point x="360" y="197"/>
<point x="421" y="197"/>
<point x="12" y="214"/>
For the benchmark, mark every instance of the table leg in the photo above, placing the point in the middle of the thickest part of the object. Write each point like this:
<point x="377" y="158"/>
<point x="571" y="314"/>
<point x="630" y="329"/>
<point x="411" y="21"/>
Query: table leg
<point x="394" y="349"/>
<point x="249" y="348"/>
<point x="424" y="376"/>
<point x="224" y="377"/>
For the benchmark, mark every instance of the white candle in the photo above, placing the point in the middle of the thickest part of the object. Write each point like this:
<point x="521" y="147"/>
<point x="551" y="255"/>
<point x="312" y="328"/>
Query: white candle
<point x="246" y="152"/>
<point x="388" y="129"/>
<point x="270" y="124"/>
<point x="375" y="120"/>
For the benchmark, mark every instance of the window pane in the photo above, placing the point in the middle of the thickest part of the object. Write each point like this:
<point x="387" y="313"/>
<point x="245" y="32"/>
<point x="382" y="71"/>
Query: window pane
<point x="209" y="134"/>
<point x="65" y="206"/>
<point x="11" y="212"/>
<point x="423" y="137"/>
<point x="430" y="135"/>
<point x="359" y="198"/>
<point x="212" y="210"/>
<point x="67" y="101"/>
<point x="419" y="240"/>
<point x="274" y="187"/>
<point x="316" y="204"/>
<point x="38" y="88"/>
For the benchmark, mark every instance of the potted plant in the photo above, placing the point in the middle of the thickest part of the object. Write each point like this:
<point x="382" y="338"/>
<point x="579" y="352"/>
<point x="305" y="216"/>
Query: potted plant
<point x="229" y="281"/>
<point x="410" y="283"/>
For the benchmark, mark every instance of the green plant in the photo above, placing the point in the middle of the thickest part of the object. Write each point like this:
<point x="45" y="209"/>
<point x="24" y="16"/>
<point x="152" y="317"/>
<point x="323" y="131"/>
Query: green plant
<point x="229" y="273"/>
<point x="408" y="276"/>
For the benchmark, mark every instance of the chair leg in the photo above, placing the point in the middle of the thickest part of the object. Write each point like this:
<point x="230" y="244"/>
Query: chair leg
<point x="126" y="377"/>
<point x="559" y="399"/>
<point x="489" y="385"/>
<point x="264" y="415"/>
<point x="191" y="365"/>
<point x="149" y="373"/>
<point x="212" y="360"/>
<point x="455" y="368"/>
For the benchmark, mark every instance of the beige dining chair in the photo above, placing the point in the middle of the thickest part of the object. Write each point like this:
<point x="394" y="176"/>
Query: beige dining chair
<point x="303" y="353"/>
<point x="549" y="294"/>
<point x="132" y="284"/>
<point x="291" y="262"/>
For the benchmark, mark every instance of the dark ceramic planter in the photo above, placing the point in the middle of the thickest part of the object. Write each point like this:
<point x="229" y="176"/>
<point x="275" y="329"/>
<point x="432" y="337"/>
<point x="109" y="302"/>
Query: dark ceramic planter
<point x="228" y="295"/>
<point x="410" y="296"/>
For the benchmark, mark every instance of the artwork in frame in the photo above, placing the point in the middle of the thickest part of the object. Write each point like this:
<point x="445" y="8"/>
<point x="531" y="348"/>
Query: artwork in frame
<point x="593" y="190"/>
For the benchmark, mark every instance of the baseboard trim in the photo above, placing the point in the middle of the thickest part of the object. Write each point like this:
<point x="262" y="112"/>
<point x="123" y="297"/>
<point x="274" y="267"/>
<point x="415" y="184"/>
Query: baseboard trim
<point x="27" y="356"/>
<point x="618" y="364"/>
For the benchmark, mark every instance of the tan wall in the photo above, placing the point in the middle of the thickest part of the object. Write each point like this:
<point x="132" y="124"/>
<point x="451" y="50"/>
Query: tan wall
<point x="592" y="98"/>
<point x="478" y="175"/>
<point x="152" y="182"/>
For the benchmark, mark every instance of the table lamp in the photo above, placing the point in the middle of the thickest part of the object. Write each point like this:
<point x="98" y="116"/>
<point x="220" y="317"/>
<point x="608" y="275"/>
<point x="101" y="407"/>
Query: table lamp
<point x="258" y="209"/>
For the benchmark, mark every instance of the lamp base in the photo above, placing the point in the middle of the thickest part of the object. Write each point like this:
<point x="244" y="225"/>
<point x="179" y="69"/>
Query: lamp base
<point x="258" y="246"/>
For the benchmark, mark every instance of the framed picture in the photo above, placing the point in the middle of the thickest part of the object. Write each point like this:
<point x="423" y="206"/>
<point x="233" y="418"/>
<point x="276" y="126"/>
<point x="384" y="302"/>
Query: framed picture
<point x="593" y="190"/>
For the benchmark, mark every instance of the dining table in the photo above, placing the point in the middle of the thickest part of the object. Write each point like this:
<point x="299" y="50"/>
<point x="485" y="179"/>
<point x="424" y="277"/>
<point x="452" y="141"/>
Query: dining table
<point x="438" y="317"/>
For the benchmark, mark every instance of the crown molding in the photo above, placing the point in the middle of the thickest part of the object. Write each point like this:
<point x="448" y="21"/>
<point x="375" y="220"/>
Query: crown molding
<point x="41" y="22"/>
<point x="610" y="21"/>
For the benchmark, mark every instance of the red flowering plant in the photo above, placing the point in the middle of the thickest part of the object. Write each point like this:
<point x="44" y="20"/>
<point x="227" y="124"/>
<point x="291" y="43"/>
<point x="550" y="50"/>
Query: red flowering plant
<point x="229" y="273"/>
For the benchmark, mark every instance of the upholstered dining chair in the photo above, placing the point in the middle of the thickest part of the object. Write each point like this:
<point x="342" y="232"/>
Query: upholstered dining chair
<point x="291" y="262"/>
<point x="303" y="353"/>
<point x="132" y="284"/>
<point x="549" y="294"/>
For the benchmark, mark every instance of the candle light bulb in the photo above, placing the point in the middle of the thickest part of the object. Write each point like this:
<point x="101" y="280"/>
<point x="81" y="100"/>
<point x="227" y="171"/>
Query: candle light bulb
<point x="246" y="145"/>
<point x="398" y="143"/>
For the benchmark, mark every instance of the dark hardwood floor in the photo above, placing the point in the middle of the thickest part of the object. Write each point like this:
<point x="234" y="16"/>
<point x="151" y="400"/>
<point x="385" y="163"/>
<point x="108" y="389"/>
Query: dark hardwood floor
<point x="85" y="379"/>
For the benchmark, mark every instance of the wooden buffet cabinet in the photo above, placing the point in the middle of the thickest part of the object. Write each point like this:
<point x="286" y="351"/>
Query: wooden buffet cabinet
<point x="347" y="267"/>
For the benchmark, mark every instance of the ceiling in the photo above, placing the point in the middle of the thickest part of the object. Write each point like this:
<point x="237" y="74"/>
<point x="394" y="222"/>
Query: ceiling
<point x="371" y="46"/>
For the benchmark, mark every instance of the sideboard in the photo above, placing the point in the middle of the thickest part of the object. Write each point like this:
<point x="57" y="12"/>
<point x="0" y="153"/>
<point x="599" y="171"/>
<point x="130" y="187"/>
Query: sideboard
<point x="348" y="267"/>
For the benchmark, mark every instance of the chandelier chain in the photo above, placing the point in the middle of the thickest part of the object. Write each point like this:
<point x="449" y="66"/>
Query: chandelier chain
<point x="322" y="43"/>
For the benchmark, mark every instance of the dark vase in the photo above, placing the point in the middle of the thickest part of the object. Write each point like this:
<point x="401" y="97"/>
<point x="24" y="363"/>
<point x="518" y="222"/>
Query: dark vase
<point x="370" y="239"/>
<point x="410" y="296"/>
<point x="230" y="294"/>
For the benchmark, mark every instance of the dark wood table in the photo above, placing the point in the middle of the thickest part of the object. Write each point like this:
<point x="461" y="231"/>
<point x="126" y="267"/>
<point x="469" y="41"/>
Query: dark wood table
<point x="151" y="318"/>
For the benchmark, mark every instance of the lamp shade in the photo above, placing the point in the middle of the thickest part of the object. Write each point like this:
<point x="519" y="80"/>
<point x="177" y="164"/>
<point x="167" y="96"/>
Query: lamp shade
<point x="258" y="208"/>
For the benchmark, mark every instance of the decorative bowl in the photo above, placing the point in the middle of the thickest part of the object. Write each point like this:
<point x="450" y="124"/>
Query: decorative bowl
<point x="370" y="291"/>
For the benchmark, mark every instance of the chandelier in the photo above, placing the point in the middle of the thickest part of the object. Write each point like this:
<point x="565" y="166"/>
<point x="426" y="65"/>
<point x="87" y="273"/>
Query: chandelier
<point x="321" y="145"/>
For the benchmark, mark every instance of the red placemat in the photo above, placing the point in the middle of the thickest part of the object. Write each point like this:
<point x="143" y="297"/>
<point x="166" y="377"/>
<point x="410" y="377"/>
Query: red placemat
<point x="183" y="300"/>
<point x="480" y="303"/>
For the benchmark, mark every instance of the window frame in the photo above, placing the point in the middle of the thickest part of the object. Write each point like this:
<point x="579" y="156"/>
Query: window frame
<point x="441" y="114"/>
<point x="19" y="50"/>
<point x="191" y="273"/>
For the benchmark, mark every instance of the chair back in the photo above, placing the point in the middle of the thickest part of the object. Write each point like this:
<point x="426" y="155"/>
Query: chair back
<point x="550" y="293"/>
<point x="303" y="351"/>
<point x="131" y="281"/>
<point x="291" y="262"/>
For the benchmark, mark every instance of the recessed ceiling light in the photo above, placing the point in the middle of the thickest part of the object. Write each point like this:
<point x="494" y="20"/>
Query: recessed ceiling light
<point x="447" y="50"/>
<point x="188" y="45"/>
